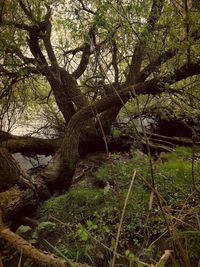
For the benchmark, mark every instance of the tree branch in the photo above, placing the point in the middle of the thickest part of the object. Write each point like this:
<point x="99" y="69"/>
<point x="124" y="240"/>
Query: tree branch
<point x="47" y="41"/>
<point x="37" y="255"/>
<point x="85" y="54"/>
<point x="69" y="146"/>
<point x="28" y="145"/>
<point x="1" y="12"/>
<point x="16" y="50"/>
<point x="114" y="62"/>
<point x="21" y="26"/>
<point x="138" y="53"/>
<point x="27" y="12"/>
<point x="185" y="71"/>
<point x="87" y="9"/>
<point x="156" y="63"/>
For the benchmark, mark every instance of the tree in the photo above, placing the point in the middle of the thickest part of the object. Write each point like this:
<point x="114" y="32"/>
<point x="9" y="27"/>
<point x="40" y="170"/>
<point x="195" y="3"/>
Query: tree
<point x="90" y="58"/>
<point x="95" y="56"/>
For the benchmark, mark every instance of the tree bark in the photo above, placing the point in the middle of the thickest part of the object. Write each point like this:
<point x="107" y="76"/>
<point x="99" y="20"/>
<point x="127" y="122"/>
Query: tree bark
<point x="10" y="171"/>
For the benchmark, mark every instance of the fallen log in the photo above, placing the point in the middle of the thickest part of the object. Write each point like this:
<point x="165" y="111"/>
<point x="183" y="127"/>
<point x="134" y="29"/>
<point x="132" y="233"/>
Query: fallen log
<point x="29" y="145"/>
<point x="23" y="246"/>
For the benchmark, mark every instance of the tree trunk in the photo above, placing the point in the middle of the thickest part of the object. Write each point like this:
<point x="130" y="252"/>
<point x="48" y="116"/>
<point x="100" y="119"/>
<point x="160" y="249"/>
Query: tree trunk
<point x="68" y="153"/>
<point x="106" y="119"/>
<point x="68" y="96"/>
<point x="19" y="193"/>
<point x="10" y="171"/>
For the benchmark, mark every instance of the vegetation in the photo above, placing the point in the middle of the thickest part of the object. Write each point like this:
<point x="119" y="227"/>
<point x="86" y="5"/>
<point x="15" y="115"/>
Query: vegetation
<point x="85" y="221"/>
<point x="85" y="76"/>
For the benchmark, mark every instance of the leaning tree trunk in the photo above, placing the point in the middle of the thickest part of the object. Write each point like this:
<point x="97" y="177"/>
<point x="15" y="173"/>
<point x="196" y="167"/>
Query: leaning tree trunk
<point x="62" y="167"/>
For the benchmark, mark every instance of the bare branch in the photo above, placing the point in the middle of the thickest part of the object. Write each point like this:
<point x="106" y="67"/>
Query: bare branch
<point x="74" y="51"/>
<point x="13" y="49"/>
<point x="37" y="255"/>
<point x="86" y="8"/>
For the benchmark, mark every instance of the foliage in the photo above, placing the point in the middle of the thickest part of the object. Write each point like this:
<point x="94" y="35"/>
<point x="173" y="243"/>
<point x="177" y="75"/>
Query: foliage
<point x="192" y="240"/>
<point x="25" y="232"/>
<point x="175" y="174"/>
<point x="43" y="229"/>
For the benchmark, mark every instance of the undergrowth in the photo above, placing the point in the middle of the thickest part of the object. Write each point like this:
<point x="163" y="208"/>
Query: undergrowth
<point x="87" y="219"/>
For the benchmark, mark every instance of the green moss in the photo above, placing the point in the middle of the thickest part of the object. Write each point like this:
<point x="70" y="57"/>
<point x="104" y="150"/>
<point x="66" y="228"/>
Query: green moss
<point x="77" y="204"/>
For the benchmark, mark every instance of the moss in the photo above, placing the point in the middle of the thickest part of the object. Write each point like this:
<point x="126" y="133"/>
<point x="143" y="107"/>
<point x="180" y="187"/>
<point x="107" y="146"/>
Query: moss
<point x="74" y="206"/>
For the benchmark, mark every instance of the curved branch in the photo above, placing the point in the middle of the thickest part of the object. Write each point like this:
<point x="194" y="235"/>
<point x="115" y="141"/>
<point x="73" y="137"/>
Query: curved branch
<point x="34" y="46"/>
<point x="48" y="46"/>
<point x="83" y="63"/>
<point x="16" y="50"/>
<point x="68" y="153"/>
<point x="185" y="71"/>
<point x="36" y="32"/>
<point x="114" y="61"/>
<point x="86" y="8"/>
<point x="74" y="51"/>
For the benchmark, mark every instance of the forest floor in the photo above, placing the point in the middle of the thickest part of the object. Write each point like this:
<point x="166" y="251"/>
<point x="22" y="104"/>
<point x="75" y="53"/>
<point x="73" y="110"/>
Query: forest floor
<point x="157" y="203"/>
